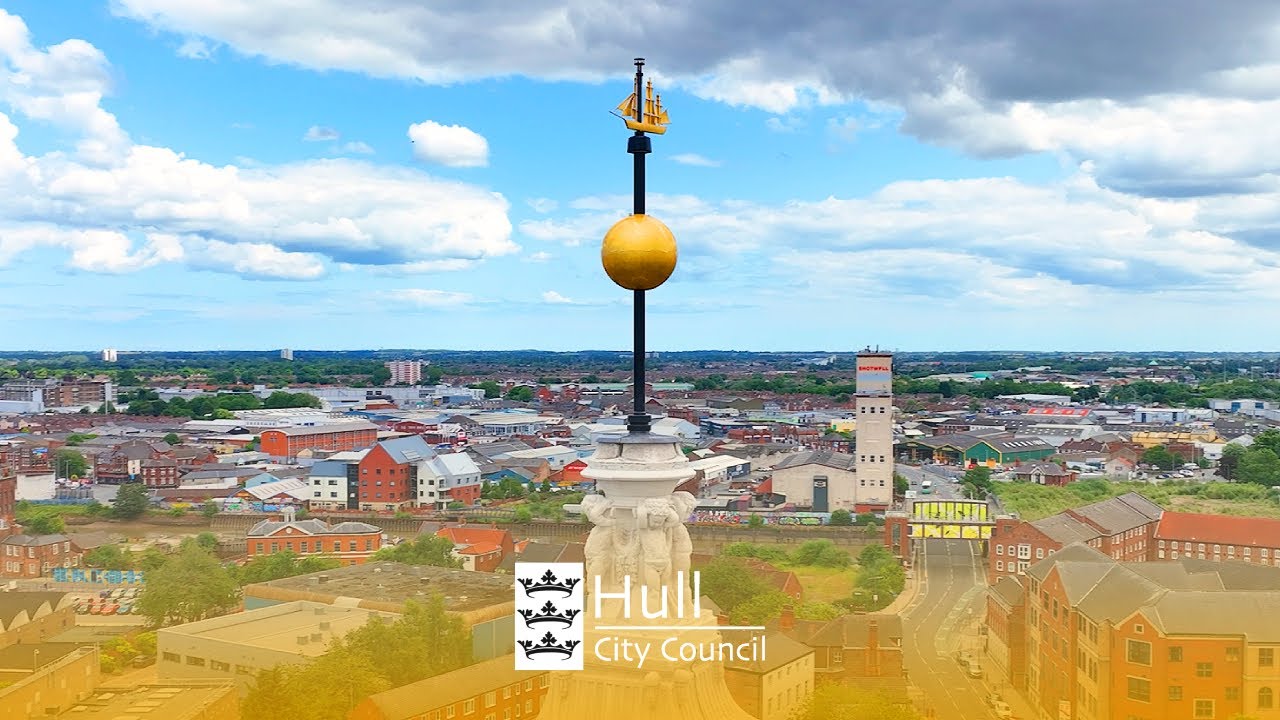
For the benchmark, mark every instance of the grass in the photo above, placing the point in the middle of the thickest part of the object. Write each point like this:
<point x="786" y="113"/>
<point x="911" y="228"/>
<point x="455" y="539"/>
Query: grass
<point x="1032" y="502"/>
<point x="825" y="584"/>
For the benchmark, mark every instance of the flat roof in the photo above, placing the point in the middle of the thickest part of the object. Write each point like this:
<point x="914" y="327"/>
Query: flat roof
<point x="391" y="582"/>
<point x="278" y="627"/>
<point x="167" y="700"/>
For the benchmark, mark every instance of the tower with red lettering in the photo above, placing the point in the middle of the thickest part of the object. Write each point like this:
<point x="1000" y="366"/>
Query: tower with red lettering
<point x="875" y="430"/>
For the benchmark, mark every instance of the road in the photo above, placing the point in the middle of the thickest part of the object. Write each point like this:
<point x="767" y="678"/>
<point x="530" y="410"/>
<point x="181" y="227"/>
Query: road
<point x="934" y="625"/>
<point x="943" y="488"/>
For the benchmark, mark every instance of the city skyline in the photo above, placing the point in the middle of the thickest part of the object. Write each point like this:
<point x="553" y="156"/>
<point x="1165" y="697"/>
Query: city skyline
<point x="175" y="170"/>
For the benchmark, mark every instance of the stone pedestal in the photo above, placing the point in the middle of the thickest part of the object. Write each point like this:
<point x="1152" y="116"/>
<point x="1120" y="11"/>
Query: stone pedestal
<point x="639" y="539"/>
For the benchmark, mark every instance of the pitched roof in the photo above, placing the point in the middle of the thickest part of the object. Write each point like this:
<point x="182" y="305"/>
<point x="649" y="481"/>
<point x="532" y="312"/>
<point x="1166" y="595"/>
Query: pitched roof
<point x="408" y="449"/>
<point x="1065" y="529"/>
<point x="312" y="526"/>
<point x="344" y="426"/>
<point x="1045" y="468"/>
<point x="1218" y="529"/>
<point x="14" y="603"/>
<point x="465" y="683"/>
<point x="852" y="631"/>
<point x="782" y="651"/>
<point x="1118" y="514"/>
<point x="1239" y="613"/>
<point x="826" y="458"/>
<point x="34" y="540"/>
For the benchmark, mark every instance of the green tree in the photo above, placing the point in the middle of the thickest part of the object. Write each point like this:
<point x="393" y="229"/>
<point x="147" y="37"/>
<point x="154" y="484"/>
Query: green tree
<point x="109" y="557"/>
<point x="520" y="393"/>
<point x="380" y="375"/>
<point x="728" y="581"/>
<point x="978" y="476"/>
<point x="41" y="522"/>
<point x="424" y="550"/>
<point x="1160" y="457"/>
<point x="326" y="688"/>
<point x="817" y="611"/>
<point x="275" y="566"/>
<point x="173" y="439"/>
<point x="191" y="585"/>
<point x="759" y="609"/>
<point x="524" y="515"/>
<point x="1232" y="454"/>
<point x="900" y="484"/>
<point x="841" y="518"/>
<point x="209" y="509"/>
<point x="491" y="388"/>
<point x="131" y="501"/>
<point x="1268" y="439"/>
<point x="755" y="521"/>
<point x="70" y="463"/>
<point x="75" y="439"/>
<point x="145" y="643"/>
<point x="820" y="553"/>
<point x="1260" y="466"/>
<point x="207" y="541"/>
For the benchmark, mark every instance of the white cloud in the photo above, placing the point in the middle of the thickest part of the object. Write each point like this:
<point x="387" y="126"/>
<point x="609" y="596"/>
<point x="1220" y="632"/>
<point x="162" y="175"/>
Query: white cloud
<point x="551" y="297"/>
<point x="542" y="205"/>
<point x="451" y="145"/>
<point x="319" y="133"/>
<point x="784" y="124"/>
<point x="356" y="147"/>
<point x="252" y="260"/>
<point x="429" y="298"/>
<point x="695" y="159"/>
<point x="195" y="49"/>
<point x="539" y="257"/>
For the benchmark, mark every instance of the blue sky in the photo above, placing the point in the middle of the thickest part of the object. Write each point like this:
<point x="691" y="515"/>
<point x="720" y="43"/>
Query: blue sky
<point x="189" y="175"/>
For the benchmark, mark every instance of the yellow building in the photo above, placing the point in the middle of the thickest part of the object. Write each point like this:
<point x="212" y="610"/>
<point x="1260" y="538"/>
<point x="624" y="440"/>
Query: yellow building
<point x="1152" y="438"/>
<point x="845" y="425"/>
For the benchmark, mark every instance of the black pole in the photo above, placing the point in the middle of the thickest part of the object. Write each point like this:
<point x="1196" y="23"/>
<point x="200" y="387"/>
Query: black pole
<point x="639" y="146"/>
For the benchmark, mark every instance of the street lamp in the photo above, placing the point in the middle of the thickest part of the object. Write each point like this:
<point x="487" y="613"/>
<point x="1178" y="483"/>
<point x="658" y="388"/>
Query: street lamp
<point x="639" y="251"/>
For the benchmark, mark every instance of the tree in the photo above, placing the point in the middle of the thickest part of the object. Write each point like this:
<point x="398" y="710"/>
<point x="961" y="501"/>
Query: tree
<point x="978" y="476"/>
<point x="1268" y="439"/>
<point x="520" y="393"/>
<point x="42" y="522"/>
<point x="173" y="439"/>
<point x="491" y="388"/>
<point x="275" y="566"/>
<point x="424" y="550"/>
<point x="70" y="463"/>
<point x="841" y="518"/>
<point x="145" y="643"/>
<point x="754" y="521"/>
<point x="817" y="611"/>
<point x="209" y="509"/>
<point x="900" y="484"/>
<point x="207" y="541"/>
<point x="1086" y="394"/>
<point x="1232" y="454"/>
<point x="524" y="515"/>
<point x="760" y="609"/>
<point x="131" y="501"/>
<point x="1260" y="466"/>
<point x="729" y="581"/>
<point x="1160" y="457"/>
<point x="191" y="585"/>
<point x="109" y="557"/>
<point x="380" y="375"/>
<point x="820" y="553"/>
<point x="75" y="439"/>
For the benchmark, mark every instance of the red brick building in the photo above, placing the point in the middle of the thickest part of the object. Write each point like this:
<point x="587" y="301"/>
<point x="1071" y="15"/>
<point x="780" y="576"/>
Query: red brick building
<point x="338" y="437"/>
<point x="8" y="500"/>
<point x="1122" y="528"/>
<point x="1044" y="473"/>
<point x="1006" y="629"/>
<point x="33" y="556"/>
<point x="1217" y="537"/>
<point x="350" y="542"/>
<point x="481" y="548"/>
<point x="389" y="473"/>
<point x="489" y="690"/>
<point x="160" y="472"/>
<point x="851" y="646"/>
<point x="124" y="463"/>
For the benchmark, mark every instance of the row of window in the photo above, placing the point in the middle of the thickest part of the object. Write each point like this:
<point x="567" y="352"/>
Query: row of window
<point x="1174" y="555"/>
<point x="867" y="409"/>
<point x="305" y="546"/>
<point x="215" y="665"/>
<point x="468" y="707"/>
<point x="1023" y="551"/>
<point x="1139" y="652"/>
<point x="1246" y="551"/>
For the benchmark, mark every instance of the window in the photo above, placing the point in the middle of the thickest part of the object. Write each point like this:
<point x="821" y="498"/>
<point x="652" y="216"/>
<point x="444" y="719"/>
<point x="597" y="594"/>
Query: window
<point x="452" y="709"/>
<point x="999" y="549"/>
<point x="244" y="670"/>
<point x="304" y="546"/>
<point x="468" y="706"/>
<point x="528" y="685"/>
<point x="1204" y="670"/>
<point x="1175" y="653"/>
<point x="1139" y="689"/>
<point x="999" y="565"/>
<point x="490" y="699"/>
<point x="1175" y="692"/>
<point x="196" y="661"/>
<point x="506" y="693"/>
<point x="1039" y="553"/>
<point x="1204" y="709"/>
<point x="1266" y="657"/>
<point x="1232" y="693"/>
<point x="219" y="666"/>
<point x="1139" y="653"/>
<point x="1139" y="629"/>
<point x="1266" y="698"/>
<point x="1233" y="654"/>
<point x="171" y="657"/>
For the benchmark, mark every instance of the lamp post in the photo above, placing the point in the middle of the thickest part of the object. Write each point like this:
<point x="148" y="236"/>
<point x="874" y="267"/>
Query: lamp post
<point x="639" y="251"/>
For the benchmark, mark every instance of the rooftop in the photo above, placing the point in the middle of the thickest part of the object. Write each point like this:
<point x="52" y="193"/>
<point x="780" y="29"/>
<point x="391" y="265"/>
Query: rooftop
<point x="416" y="699"/>
<point x="390" y="584"/>
<point x="826" y="458"/>
<point x="281" y="627"/>
<point x="170" y="700"/>
<point x="1219" y="529"/>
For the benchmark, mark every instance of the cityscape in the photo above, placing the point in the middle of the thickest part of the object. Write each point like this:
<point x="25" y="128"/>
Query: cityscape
<point x="901" y="363"/>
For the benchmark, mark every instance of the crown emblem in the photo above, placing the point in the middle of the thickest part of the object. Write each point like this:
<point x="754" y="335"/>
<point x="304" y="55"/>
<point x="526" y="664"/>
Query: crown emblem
<point x="548" y="645"/>
<point x="549" y="614"/>
<point x="549" y="583"/>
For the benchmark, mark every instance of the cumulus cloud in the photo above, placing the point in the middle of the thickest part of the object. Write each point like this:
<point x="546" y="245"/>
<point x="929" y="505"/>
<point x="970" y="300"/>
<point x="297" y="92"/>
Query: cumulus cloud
<point x="195" y="49"/>
<point x="118" y="206"/>
<point x="451" y="145"/>
<point x="319" y="133"/>
<point x="1004" y="78"/>
<point x="356" y="147"/>
<point x="695" y="160"/>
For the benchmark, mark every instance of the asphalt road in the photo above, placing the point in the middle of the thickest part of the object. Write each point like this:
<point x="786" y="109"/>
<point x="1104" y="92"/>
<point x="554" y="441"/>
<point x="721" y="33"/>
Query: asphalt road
<point x="951" y="595"/>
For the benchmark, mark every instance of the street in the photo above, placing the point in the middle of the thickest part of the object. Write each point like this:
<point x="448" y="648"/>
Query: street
<point x="939" y="622"/>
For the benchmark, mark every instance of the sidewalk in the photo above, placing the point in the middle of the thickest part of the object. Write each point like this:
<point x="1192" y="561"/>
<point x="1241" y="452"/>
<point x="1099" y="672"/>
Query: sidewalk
<point x="994" y="679"/>
<point x="910" y="591"/>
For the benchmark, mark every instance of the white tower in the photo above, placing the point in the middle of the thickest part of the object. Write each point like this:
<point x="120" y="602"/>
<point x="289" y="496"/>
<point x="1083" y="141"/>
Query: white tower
<point x="875" y="428"/>
<point x="109" y="355"/>
<point x="286" y="354"/>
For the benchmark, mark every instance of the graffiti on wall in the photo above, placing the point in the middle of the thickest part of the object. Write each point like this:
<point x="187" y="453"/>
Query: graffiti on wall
<point x="90" y="575"/>
<point x="728" y="517"/>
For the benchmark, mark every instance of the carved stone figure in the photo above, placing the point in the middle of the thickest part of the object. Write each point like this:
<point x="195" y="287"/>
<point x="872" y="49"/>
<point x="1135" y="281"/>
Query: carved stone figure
<point x="683" y="504"/>
<point x="599" y="547"/>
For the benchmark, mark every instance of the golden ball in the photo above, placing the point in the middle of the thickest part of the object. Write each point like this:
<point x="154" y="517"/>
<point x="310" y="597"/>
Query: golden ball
<point x="639" y="252"/>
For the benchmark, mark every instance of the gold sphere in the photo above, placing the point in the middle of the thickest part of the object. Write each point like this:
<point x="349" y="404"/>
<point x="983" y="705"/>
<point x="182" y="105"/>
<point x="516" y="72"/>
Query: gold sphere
<point x="639" y="252"/>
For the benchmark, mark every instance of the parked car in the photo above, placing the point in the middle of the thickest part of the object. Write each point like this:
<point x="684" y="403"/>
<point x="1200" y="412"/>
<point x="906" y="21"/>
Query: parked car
<point x="974" y="670"/>
<point x="110" y="608"/>
<point x="125" y="609"/>
<point x="993" y="699"/>
<point x="1002" y="710"/>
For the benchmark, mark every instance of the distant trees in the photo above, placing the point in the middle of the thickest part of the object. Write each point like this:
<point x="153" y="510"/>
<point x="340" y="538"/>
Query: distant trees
<point x="423" y="550"/>
<point x="491" y="388"/>
<point x="900" y="484"/>
<point x="190" y="585"/>
<point x="275" y="566"/>
<point x="519" y="393"/>
<point x="204" y="407"/>
<point x="1160" y="457"/>
<point x="841" y="518"/>
<point x="172" y="439"/>
<point x="40" y="521"/>
<point x="70" y="463"/>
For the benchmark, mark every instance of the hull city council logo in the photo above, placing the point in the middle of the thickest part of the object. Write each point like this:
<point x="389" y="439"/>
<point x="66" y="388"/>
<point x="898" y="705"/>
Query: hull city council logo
<point x="549" y="624"/>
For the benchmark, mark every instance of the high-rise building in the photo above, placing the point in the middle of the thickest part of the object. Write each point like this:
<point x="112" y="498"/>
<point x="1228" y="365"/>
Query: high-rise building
<point x="109" y="355"/>
<point x="875" y="427"/>
<point x="405" y="371"/>
<point x="286" y="354"/>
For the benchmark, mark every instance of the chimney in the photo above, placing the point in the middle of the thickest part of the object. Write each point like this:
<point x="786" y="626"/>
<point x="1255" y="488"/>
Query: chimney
<point x="787" y="620"/>
<point x="873" y="648"/>
<point x="302" y="639"/>
<point x="325" y="625"/>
